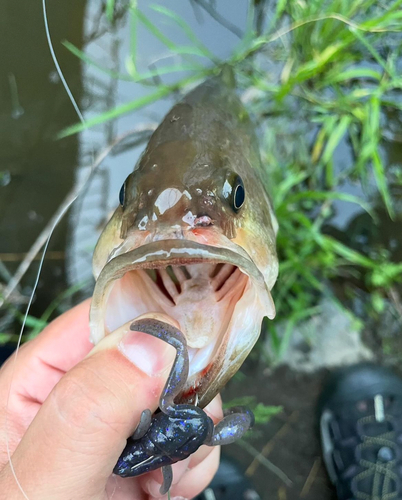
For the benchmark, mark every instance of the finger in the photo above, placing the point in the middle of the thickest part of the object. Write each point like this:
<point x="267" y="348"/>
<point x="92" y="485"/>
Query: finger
<point x="59" y="347"/>
<point x="62" y="344"/>
<point x="151" y="483"/>
<point x="82" y="427"/>
<point x="197" y="479"/>
<point x="192" y="482"/>
<point x="27" y="378"/>
<point x="127" y="488"/>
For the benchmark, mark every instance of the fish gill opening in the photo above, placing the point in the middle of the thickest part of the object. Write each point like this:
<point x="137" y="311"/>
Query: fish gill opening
<point x="173" y="281"/>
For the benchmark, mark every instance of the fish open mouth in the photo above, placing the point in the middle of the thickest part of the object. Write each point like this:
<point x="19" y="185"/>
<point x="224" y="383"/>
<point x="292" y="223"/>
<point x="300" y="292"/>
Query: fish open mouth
<point x="200" y="297"/>
<point x="215" y="296"/>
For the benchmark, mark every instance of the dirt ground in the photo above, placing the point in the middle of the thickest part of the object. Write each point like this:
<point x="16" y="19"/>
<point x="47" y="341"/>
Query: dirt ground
<point x="290" y="439"/>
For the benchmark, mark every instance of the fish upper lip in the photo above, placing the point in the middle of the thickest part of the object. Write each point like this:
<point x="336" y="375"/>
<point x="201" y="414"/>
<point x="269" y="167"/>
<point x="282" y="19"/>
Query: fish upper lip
<point x="158" y="253"/>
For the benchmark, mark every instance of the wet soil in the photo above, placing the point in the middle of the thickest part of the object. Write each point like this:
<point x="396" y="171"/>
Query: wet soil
<point x="291" y="438"/>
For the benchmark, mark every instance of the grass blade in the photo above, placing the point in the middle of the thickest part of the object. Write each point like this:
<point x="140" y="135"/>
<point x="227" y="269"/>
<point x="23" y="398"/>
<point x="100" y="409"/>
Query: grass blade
<point x="91" y="62"/>
<point x="334" y="140"/>
<point x="380" y="178"/>
<point x="161" y="92"/>
<point x="110" y="10"/>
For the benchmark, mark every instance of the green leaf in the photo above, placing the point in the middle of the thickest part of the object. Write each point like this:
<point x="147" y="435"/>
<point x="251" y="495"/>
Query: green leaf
<point x="116" y="112"/>
<point x="386" y="273"/>
<point x="8" y="338"/>
<point x="298" y="315"/>
<point x="370" y="47"/>
<point x="347" y="253"/>
<point x="333" y="142"/>
<point x="275" y="341"/>
<point x="280" y="8"/>
<point x="262" y="413"/>
<point x="381" y="181"/>
<point x="43" y="320"/>
<point x="110" y="10"/>
<point x="378" y="302"/>
<point x="161" y="70"/>
<point x="88" y="60"/>
<point x="350" y="74"/>
<point x="155" y="31"/>
<point x="293" y="179"/>
<point x="329" y="124"/>
<point x="173" y="47"/>
<point x="331" y="195"/>
<point x="141" y="102"/>
<point x="133" y="18"/>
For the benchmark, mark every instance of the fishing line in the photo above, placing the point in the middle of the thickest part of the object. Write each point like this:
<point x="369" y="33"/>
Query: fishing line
<point x="62" y="213"/>
<point x="56" y="63"/>
<point x="45" y="247"/>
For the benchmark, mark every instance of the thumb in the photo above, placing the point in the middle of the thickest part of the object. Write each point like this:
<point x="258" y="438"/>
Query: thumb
<point x="73" y="443"/>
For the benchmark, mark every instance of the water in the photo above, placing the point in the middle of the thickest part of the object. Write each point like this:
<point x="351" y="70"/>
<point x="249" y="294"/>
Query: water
<point x="38" y="170"/>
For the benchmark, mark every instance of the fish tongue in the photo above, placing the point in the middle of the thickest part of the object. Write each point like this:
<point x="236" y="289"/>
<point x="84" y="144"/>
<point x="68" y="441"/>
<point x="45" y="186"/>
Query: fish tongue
<point x="200" y="327"/>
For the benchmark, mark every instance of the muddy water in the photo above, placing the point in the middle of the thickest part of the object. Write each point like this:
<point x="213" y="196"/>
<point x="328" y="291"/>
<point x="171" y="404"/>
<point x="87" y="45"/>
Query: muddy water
<point x="35" y="170"/>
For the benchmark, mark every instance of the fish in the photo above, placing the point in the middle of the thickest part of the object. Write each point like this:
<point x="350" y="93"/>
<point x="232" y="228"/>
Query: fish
<point x="193" y="239"/>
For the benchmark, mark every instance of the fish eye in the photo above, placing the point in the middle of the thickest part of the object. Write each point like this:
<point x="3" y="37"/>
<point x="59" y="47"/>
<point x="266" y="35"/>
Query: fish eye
<point x="122" y="194"/>
<point x="238" y="194"/>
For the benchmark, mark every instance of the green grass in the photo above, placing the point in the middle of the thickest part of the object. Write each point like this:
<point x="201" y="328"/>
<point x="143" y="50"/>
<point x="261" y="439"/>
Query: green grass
<point x="34" y="325"/>
<point x="262" y="413"/>
<point x="338" y="80"/>
<point x="321" y="77"/>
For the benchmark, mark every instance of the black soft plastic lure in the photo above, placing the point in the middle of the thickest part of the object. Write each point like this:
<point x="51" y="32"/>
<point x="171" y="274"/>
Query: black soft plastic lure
<point x="178" y="430"/>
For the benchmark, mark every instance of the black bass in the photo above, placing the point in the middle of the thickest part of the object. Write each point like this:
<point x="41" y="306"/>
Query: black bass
<point x="193" y="239"/>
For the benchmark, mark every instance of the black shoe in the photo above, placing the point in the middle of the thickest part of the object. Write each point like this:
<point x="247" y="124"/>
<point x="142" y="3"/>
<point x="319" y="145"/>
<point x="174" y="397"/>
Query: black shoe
<point x="361" y="433"/>
<point x="229" y="484"/>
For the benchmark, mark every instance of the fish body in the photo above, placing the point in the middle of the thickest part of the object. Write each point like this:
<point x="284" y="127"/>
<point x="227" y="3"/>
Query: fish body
<point x="193" y="238"/>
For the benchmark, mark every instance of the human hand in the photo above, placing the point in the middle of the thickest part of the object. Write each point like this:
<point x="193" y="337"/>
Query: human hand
<point x="70" y="412"/>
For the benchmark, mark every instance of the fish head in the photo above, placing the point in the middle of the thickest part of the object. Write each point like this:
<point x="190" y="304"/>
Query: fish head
<point x="193" y="239"/>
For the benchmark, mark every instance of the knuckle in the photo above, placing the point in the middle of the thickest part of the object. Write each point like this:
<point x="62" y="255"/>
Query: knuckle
<point x="83" y="399"/>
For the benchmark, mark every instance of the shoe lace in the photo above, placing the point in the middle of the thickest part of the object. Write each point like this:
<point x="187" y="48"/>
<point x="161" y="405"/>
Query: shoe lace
<point x="384" y="477"/>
